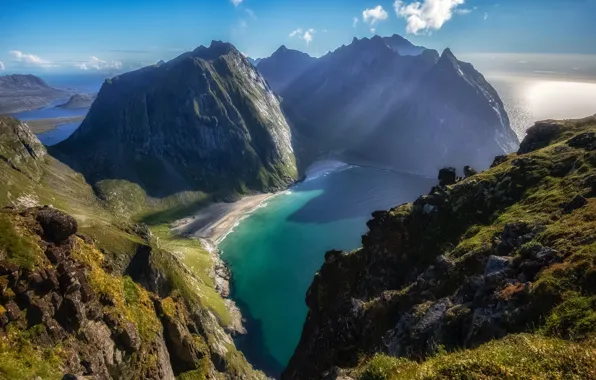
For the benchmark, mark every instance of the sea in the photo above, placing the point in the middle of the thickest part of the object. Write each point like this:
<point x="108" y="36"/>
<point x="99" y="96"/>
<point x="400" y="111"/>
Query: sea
<point x="74" y="83"/>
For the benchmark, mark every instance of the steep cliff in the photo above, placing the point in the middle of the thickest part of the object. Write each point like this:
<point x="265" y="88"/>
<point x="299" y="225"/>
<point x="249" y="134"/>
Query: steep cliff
<point x="205" y="121"/>
<point x="98" y="295"/>
<point x="506" y="251"/>
<point x="386" y="100"/>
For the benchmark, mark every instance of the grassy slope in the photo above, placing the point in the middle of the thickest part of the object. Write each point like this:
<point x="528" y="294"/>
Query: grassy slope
<point x="109" y="223"/>
<point x="563" y="346"/>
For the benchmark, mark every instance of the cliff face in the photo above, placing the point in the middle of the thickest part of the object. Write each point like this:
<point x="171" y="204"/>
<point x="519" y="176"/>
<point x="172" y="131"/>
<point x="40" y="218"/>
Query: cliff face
<point x="97" y="295"/>
<point x="205" y="121"/>
<point x="389" y="101"/>
<point x="505" y="251"/>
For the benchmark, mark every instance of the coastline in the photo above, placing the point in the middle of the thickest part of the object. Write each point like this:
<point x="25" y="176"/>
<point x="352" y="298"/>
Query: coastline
<point x="39" y="126"/>
<point x="217" y="220"/>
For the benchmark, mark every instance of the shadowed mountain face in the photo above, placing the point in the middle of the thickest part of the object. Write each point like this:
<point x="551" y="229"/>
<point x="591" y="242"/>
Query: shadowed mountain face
<point x="386" y="100"/>
<point x="204" y="121"/>
<point x="284" y="66"/>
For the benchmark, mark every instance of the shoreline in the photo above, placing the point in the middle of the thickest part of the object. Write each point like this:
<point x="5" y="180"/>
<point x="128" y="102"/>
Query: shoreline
<point x="217" y="220"/>
<point x="39" y="126"/>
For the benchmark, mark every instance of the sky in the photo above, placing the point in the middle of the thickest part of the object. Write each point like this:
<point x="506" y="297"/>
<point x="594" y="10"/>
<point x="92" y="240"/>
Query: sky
<point x="112" y="36"/>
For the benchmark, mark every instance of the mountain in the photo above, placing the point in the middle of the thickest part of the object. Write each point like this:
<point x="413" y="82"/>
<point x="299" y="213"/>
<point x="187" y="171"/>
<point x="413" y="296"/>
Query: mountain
<point x="491" y="276"/>
<point x="91" y="294"/>
<point x="284" y="66"/>
<point x="22" y="92"/>
<point x="78" y="101"/>
<point x="204" y="122"/>
<point x="371" y="102"/>
<point x="255" y="61"/>
<point x="402" y="46"/>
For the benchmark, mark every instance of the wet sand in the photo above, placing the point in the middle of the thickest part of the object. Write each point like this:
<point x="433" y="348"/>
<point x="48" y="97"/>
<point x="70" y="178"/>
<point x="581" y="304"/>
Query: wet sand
<point x="215" y="221"/>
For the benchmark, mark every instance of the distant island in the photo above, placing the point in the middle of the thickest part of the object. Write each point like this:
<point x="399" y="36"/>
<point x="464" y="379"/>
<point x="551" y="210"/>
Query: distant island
<point x="24" y="92"/>
<point x="78" y="101"/>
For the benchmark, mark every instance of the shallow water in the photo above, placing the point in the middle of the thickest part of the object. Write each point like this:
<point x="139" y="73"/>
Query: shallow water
<point x="51" y="111"/>
<point x="275" y="252"/>
<point x="61" y="133"/>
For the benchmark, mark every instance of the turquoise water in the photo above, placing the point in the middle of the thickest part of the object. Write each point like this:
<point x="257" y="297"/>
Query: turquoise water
<point x="275" y="252"/>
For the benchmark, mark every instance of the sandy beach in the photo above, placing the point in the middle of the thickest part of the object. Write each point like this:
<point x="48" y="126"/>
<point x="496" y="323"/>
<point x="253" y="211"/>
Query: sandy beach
<point x="216" y="220"/>
<point x="44" y="125"/>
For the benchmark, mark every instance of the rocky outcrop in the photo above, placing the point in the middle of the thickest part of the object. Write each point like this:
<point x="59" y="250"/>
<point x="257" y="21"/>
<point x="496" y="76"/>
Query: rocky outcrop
<point x="501" y="252"/>
<point x="205" y="121"/>
<point x="19" y="148"/>
<point x="53" y="289"/>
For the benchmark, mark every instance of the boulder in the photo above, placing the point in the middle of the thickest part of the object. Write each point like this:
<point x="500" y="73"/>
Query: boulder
<point x="539" y="136"/>
<point x="496" y="264"/>
<point x="469" y="171"/>
<point x="584" y="140"/>
<point x="447" y="176"/>
<point x="57" y="226"/>
<point x="498" y="160"/>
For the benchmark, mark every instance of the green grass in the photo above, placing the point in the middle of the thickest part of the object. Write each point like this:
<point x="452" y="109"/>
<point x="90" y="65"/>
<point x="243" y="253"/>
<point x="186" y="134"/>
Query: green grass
<point x="521" y="356"/>
<point x="19" y="359"/>
<point x="197" y="285"/>
<point x="18" y="245"/>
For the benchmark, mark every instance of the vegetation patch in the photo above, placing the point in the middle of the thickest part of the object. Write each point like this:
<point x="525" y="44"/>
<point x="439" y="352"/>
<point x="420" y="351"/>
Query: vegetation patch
<point x="521" y="356"/>
<point x="17" y="244"/>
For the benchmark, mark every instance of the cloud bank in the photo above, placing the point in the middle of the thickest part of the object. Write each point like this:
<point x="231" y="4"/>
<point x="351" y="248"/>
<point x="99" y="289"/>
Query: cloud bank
<point x="29" y="59"/>
<point x="428" y="15"/>
<point x="2" y="66"/>
<point x="95" y="63"/>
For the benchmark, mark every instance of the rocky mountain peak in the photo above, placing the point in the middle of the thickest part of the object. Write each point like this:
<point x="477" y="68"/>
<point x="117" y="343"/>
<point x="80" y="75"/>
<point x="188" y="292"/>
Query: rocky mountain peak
<point x="204" y="121"/>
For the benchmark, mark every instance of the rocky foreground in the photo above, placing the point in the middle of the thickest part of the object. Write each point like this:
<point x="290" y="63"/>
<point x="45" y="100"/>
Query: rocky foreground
<point x="501" y="265"/>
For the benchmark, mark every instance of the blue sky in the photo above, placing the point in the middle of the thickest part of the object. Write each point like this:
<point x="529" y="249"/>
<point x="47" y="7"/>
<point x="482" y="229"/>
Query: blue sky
<point x="112" y="36"/>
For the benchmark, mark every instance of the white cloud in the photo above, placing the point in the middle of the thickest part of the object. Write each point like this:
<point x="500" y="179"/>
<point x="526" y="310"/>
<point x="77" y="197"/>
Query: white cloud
<point x="355" y="22"/>
<point x="95" y="63"/>
<point x="463" y="11"/>
<point x="485" y="16"/>
<point x="236" y="2"/>
<point x="427" y="15"/>
<point x="296" y="32"/>
<point x="2" y="66"/>
<point x="29" y="59"/>
<point x="307" y="35"/>
<point x="373" y="30"/>
<point x="374" y="15"/>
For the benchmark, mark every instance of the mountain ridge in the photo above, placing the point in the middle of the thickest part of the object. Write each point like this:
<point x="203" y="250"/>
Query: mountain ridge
<point x="369" y="98"/>
<point x="206" y="121"/>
